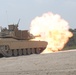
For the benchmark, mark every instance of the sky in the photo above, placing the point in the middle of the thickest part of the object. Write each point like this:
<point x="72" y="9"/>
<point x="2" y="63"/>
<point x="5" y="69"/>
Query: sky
<point x="26" y="10"/>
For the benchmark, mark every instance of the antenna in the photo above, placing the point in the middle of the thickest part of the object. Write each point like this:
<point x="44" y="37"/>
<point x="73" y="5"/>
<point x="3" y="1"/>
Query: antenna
<point x="18" y="22"/>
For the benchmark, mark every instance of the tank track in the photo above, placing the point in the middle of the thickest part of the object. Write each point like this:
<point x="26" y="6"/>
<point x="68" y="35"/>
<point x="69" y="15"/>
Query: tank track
<point x="20" y="52"/>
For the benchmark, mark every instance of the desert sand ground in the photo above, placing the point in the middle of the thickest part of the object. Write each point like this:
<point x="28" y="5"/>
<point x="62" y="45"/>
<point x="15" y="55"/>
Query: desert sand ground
<point x="59" y="63"/>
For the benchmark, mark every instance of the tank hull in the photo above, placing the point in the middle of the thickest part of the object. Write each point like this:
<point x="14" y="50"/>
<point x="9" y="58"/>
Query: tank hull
<point x="10" y="47"/>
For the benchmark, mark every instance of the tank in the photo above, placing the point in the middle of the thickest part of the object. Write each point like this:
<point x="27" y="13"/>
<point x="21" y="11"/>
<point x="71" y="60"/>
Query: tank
<point x="15" y="42"/>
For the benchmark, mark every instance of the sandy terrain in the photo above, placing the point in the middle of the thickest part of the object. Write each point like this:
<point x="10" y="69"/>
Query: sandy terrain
<point x="60" y="63"/>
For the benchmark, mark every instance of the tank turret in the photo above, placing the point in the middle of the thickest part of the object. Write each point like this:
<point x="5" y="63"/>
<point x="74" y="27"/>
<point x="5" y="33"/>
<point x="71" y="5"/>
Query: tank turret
<point x="14" y="32"/>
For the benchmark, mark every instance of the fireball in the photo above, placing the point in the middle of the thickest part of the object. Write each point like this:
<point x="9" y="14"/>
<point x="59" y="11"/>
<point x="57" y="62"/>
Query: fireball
<point x="53" y="29"/>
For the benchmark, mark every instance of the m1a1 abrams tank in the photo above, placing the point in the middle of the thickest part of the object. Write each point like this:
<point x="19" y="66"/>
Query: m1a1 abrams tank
<point x="15" y="42"/>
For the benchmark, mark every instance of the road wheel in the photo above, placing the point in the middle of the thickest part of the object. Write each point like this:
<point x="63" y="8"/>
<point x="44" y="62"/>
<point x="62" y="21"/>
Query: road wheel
<point x="10" y="53"/>
<point x="29" y="51"/>
<point x="37" y="51"/>
<point x="33" y="51"/>
<point x="24" y="52"/>
<point x="15" y="52"/>
<point x="20" y="52"/>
